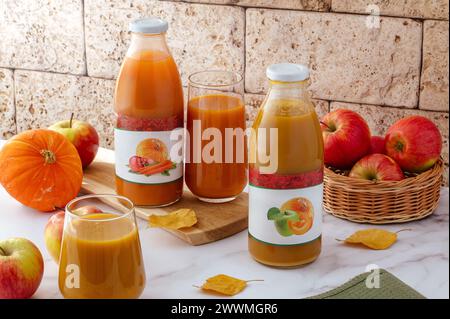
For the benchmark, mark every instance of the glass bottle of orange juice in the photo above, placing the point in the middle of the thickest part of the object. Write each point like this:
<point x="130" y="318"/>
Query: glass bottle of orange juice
<point x="149" y="108"/>
<point x="286" y="172"/>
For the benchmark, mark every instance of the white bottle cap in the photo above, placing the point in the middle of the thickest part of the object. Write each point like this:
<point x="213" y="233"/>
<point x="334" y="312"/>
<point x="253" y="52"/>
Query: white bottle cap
<point x="149" y="26"/>
<point x="287" y="72"/>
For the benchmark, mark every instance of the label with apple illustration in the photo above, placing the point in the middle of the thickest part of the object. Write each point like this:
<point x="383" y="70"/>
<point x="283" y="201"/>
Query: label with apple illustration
<point x="285" y="216"/>
<point x="151" y="157"/>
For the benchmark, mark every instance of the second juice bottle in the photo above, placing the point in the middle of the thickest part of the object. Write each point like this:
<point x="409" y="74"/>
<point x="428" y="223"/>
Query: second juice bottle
<point x="149" y="108"/>
<point x="286" y="172"/>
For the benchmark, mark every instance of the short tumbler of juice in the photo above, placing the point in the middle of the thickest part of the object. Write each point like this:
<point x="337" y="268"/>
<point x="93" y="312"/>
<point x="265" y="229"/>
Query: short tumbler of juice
<point x="216" y="151"/>
<point x="149" y="130"/>
<point x="100" y="252"/>
<point x="286" y="172"/>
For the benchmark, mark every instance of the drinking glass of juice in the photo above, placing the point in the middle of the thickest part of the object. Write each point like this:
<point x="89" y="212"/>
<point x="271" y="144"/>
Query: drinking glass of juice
<point x="100" y="252"/>
<point x="286" y="172"/>
<point x="216" y="154"/>
<point x="149" y="108"/>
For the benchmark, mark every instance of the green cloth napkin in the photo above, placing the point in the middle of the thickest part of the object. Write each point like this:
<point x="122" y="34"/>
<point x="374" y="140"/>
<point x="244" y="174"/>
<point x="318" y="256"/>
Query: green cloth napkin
<point x="390" y="287"/>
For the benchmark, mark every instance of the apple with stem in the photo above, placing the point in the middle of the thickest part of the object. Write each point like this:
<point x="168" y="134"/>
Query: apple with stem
<point x="377" y="167"/>
<point x="21" y="268"/>
<point x="346" y="138"/>
<point x="82" y="135"/>
<point x="414" y="142"/>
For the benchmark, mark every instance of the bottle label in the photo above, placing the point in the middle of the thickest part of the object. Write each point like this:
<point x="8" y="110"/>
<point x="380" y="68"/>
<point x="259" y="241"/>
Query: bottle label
<point x="288" y="216"/>
<point x="148" y="157"/>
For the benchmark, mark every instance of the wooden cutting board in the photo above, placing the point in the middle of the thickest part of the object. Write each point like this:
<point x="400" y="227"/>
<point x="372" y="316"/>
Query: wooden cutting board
<point x="215" y="221"/>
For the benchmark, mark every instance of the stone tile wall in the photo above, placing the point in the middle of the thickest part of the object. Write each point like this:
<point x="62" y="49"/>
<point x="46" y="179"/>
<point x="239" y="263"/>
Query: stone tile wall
<point x="384" y="58"/>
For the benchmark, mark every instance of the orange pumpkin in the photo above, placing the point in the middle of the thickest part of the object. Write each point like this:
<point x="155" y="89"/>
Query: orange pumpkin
<point x="41" y="169"/>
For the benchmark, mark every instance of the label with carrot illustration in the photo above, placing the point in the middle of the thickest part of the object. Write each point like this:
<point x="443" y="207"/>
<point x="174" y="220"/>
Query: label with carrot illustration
<point x="145" y="157"/>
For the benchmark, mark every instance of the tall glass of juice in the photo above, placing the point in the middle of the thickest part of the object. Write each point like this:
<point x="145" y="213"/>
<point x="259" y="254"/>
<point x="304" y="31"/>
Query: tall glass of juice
<point x="216" y="154"/>
<point x="149" y="109"/>
<point x="286" y="172"/>
<point x="100" y="252"/>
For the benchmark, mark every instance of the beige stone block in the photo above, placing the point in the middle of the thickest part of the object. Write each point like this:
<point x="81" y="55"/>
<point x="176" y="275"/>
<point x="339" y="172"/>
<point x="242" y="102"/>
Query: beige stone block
<point x="380" y="118"/>
<point x="313" y="5"/>
<point x="199" y="36"/>
<point x="253" y="102"/>
<point x="7" y="110"/>
<point x="434" y="79"/>
<point x="45" y="98"/>
<point x="348" y="61"/>
<point x="432" y="9"/>
<point x="42" y="35"/>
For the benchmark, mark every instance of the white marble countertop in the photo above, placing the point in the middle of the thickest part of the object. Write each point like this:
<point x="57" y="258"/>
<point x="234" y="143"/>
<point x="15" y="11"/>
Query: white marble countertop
<point x="419" y="258"/>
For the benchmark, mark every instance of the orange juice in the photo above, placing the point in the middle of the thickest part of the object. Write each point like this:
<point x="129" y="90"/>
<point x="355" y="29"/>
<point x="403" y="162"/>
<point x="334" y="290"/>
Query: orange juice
<point x="149" y="105"/>
<point x="222" y="179"/>
<point x="285" y="200"/>
<point x="101" y="258"/>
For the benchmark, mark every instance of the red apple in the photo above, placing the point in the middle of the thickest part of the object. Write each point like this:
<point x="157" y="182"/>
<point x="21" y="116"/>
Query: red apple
<point x="377" y="167"/>
<point x="377" y="145"/>
<point x="21" y="268"/>
<point x="82" y="135"/>
<point x="346" y="138"/>
<point x="53" y="235"/>
<point x="86" y="210"/>
<point x="414" y="142"/>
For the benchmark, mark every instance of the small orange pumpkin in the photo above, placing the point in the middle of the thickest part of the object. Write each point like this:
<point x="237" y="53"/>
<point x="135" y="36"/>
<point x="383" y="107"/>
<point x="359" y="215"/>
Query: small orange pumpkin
<point x="41" y="169"/>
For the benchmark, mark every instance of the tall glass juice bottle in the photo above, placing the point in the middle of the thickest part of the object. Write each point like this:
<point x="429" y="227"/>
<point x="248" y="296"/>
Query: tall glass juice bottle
<point x="286" y="173"/>
<point x="149" y="108"/>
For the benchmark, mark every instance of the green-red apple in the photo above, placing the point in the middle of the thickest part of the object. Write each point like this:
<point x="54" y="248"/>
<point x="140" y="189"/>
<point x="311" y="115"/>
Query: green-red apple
<point x="377" y="167"/>
<point x="82" y="135"/>
<point x="54" y="229"/>
<point x="53" y="235"/>
<point x="21" y="268"/>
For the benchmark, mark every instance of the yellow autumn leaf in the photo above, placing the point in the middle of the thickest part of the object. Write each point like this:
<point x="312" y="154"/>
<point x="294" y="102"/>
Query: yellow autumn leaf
<point x="373" y="238"/>
<point x="180" y="218"/>
<point x="225" y="285"/>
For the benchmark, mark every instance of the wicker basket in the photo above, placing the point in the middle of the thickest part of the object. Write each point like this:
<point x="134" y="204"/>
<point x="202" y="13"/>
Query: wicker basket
<point x="364" y="201"/>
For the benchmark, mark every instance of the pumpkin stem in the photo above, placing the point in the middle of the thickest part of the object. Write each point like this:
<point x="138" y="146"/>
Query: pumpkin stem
<point x="49" y="156"/>
<point x="71" y="119"/>
<point x="2" y="252"/>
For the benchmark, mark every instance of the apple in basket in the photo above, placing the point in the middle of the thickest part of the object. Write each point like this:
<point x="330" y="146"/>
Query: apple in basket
<point x="377" y="145"/>
<point x="414" y="142"/>
<point x="346" y="137"/>
<point x="377" y="167"/>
